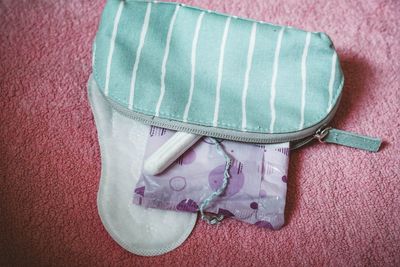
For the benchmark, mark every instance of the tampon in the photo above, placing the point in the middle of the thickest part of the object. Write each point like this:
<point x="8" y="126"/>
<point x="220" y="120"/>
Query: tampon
<point x="163" y="157"/>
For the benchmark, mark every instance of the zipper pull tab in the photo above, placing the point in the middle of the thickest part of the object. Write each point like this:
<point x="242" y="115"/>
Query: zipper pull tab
<point x="335" y="136"/>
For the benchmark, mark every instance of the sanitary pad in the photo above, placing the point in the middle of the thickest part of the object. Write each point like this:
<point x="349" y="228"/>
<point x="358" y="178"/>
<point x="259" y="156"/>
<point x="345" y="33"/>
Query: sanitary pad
<point x="142" y="231"/>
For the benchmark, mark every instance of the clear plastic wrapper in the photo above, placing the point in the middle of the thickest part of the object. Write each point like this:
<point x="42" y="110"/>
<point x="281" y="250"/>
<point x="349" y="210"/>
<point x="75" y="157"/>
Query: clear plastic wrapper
<point x="256" y="190"/>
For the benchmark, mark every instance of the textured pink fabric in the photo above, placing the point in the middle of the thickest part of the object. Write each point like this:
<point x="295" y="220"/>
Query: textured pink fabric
<point x="343" y="204"/>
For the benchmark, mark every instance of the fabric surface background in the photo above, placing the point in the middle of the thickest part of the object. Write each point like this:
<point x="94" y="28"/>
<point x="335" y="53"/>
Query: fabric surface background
<point x="343" y="205"/>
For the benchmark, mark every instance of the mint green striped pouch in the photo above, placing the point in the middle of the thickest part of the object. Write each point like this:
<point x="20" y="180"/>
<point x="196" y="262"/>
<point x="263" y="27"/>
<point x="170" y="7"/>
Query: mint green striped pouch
<point x="192" y="70"/>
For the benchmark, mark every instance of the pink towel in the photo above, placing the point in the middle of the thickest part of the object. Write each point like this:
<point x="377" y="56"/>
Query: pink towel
<point x="343" y="205"/>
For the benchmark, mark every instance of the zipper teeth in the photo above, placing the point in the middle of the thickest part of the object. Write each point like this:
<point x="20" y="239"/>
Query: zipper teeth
<point x="210" y="131"/>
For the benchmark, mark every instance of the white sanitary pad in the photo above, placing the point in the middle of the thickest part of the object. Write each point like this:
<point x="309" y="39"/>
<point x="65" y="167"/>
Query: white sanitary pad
<point x="142" y="231"/>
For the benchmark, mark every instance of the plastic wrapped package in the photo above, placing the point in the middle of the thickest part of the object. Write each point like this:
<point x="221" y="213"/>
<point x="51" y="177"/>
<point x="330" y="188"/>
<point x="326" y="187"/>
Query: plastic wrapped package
<point x="256" y="190"/>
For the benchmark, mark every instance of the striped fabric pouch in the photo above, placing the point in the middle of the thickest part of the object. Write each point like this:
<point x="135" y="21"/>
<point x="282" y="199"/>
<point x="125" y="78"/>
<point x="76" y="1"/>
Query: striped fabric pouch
<point x="208" y="74"/>
<point x="192" y="70"/>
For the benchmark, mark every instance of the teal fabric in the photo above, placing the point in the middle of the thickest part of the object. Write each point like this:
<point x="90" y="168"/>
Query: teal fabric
<point x="202" y="109"/>
<point x="353" y="140"/>
<point x="290" y="85"/>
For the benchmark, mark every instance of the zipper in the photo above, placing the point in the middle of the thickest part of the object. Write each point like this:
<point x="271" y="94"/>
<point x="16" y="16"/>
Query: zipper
<point x="331" y="135"/>
<point x="319" y="135"/>
<point x="320" y="131"/>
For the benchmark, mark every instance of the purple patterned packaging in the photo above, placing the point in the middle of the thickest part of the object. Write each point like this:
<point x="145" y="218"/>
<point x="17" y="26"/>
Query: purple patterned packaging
<point x="256" y="191"/>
